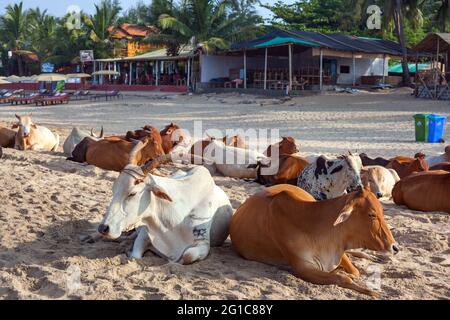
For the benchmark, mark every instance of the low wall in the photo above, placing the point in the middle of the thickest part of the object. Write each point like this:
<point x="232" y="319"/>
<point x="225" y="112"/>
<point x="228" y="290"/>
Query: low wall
<point x="104" y="87"/>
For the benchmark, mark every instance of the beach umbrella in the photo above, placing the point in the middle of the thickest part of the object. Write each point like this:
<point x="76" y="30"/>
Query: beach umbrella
<point x="32" y="78"/>
<point x="77" y="75"/>
<point x="106" y="73"/>
<point x="50" y="77"/>
<point x="13" y="79"/>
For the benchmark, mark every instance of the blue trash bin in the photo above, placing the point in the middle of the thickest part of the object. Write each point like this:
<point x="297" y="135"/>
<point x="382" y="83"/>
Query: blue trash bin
<point x="436" y="128"/>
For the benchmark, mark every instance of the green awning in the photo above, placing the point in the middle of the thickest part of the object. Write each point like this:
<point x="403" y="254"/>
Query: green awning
<point x="281" y="40"/>
<point x="397" y="68"/>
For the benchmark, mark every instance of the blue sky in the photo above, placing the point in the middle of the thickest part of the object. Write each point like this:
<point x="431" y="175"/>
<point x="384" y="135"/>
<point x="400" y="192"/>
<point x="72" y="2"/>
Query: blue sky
<point x="59" y="7"/>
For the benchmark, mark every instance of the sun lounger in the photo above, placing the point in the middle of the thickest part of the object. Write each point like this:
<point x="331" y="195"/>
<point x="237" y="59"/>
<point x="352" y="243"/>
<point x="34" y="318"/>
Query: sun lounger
<point x="53" y="100"/>
<point x="79" y="94"/>
<point x="16" y="100"/>
<point x="108" y="94"/>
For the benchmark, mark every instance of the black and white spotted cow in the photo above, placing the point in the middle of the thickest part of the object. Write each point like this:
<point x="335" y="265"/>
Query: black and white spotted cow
<point x="329" y="178"/>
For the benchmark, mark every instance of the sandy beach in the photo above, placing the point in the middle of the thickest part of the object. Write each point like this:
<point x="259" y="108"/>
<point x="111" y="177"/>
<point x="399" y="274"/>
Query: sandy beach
<point x="47" y="204"/>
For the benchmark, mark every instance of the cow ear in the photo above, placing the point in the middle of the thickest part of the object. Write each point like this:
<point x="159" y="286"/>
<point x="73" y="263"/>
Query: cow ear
<point x="345" y="213"/>
<point x="14" y="126"/>
<point x="34" y="126"/>
<point x="160" y="193"/>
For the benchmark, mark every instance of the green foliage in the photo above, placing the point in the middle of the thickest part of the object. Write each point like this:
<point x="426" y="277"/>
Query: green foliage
<point x="213" y="24"/>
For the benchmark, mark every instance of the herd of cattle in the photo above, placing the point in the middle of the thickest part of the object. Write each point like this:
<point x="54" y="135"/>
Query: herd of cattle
<point x="312" y="213"/>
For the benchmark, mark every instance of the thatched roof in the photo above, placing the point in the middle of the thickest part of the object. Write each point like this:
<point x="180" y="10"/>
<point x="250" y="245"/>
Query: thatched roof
<point x="430" y="42"/>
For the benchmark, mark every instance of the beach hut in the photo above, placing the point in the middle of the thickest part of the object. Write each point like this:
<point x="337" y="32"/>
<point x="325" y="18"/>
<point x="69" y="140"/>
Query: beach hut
<point x="433" y="83"/>
<point x="292" y="60"/>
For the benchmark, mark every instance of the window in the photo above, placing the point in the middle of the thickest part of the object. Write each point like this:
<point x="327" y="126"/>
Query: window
<point x="345" y="69"/>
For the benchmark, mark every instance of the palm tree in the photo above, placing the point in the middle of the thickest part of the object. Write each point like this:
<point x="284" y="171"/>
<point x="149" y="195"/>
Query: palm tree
<point x="212" y="23"/>
<point x="43" y="33"/>
<point x="395" y="12"/>
<point x="106" y="16"/>
<point x="14" y="29"/>
<point x="443" y="14"/>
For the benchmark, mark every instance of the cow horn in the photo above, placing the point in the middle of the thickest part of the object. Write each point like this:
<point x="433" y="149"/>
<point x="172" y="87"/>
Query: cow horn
<point x="101" y="133"/>
<point x="134" y="141"/>
<point x="138" y="147"/>
<point x="92" y="133"/>
<point x="155" y="163"/>
<point x="18" y="117"/>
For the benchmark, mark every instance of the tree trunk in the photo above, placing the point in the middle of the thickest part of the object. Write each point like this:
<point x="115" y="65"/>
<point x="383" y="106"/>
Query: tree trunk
<point x="19" y="65"/>
<point x="399" y="29"/>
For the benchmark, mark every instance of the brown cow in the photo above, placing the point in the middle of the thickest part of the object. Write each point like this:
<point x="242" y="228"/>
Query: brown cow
<point x="7" y="138"/>
<point x="285" y="225"/>
<point x="169" y="140"/>
<point x="424" y="191"/>
<point x="286" y="146"/>
<point x="441" y="166"/>
<point x="406" y="166"/>
<point x="143" y="133"/>
<point x="289" y="168"/>
<point x="366" y="161"/>
<point x="114" y="153"/>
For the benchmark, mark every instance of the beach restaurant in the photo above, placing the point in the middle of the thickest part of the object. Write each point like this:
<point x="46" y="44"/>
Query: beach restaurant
<point x="299" y="60"/>
<point x="151" y="71"/>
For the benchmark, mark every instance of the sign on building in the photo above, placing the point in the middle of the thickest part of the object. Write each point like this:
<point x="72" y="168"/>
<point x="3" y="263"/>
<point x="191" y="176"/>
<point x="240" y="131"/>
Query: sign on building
<point x="86" y="55"/>
<point x="47" y="67"/>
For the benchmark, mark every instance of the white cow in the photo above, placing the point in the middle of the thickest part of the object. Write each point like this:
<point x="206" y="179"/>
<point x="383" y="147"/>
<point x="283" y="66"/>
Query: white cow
<point x="434" y="160"/>
<point x="380" y="180"/>
<point x="177" y="217"/>
<point x="33" y="137"/>
<point x="75" y="137"/>
<point x="233" y="162"/>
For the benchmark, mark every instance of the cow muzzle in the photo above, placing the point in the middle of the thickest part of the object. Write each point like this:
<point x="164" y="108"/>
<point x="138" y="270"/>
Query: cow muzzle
<point x="395" y="248"/>
<point x="103" y="229"/>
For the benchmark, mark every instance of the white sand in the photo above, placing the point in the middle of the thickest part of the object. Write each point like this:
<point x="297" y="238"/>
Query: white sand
<point x="47" y="203"/>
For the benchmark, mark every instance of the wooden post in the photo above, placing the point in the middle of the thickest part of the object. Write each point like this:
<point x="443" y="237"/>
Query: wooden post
<point x="321" y="70"/>
<point x="157" y="72"/>
<point x="131" y="73"/>
<point x="354" y="69"/>
<point x="290" y="68"/>
<point x="245" y="69"/>
<point x="437" y="73"/>
<point x="188" y="73"/>
<point x="265" y="69"/>
<point x="94" y="66"/>
<point x="384" y="69"/>
<point x="137" y="73"/>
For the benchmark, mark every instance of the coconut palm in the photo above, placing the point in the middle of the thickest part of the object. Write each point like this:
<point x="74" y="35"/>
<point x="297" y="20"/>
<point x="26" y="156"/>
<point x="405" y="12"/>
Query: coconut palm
<point x="395" y="13"/>
<point x="42" y="33"/>
<point x="100" y="24"/>
<point x="443" y="14"/>
<point x="212" y="23"/>
<point x="14" y="29"/>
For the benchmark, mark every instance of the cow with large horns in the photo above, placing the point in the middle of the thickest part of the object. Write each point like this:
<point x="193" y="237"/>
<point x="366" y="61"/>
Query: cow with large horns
<point x="178" y="217"/>
<point x="76" y="136"/>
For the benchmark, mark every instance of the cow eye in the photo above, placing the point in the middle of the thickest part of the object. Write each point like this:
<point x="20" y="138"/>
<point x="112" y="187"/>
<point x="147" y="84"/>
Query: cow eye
<point x="372" y="215"/>
<point x="131" y="195"/>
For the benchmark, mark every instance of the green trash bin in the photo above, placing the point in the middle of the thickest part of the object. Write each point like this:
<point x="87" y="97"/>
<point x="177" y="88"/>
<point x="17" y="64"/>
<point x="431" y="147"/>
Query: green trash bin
<point x="421" y="123"/>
